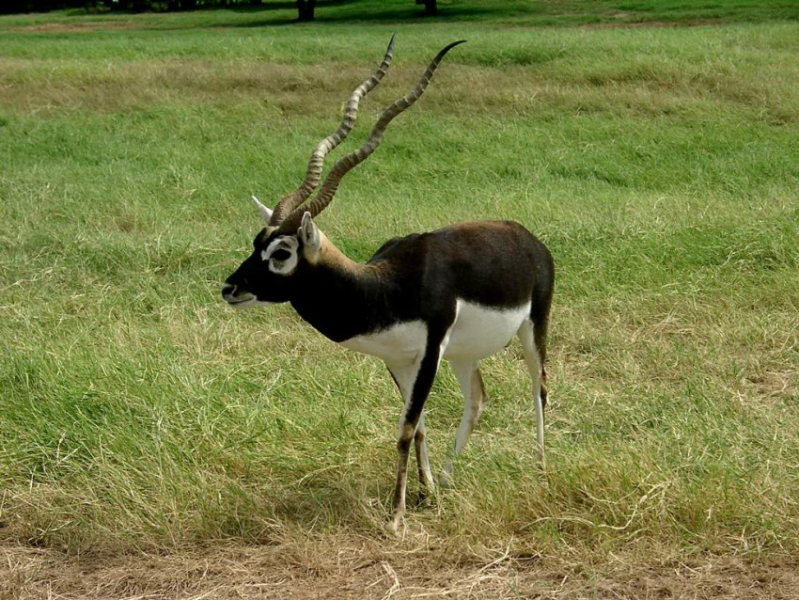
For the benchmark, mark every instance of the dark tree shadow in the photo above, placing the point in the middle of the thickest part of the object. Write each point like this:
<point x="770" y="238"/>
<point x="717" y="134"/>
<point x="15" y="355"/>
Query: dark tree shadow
<point x="285" y="13"/>
<point x="586" y="13"/>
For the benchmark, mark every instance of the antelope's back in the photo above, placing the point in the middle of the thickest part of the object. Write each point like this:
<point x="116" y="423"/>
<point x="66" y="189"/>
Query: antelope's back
<point x="493" y="263"/>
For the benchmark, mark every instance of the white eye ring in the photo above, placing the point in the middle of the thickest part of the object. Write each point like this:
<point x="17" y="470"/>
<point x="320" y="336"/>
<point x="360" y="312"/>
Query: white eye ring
<point x="281" y="255"/>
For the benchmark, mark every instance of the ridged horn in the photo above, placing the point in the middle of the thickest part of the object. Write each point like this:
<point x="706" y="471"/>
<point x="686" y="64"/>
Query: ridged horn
<point x="351" y="160"/>
<point x="314" y="172"/>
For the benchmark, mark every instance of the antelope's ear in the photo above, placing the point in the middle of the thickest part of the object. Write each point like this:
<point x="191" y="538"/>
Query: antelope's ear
<point x="266" y="214"/>
<point x="310" y="236"/>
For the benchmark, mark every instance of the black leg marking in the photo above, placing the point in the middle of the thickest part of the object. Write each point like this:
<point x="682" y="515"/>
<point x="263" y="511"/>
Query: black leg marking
<point x="410" y="421"/>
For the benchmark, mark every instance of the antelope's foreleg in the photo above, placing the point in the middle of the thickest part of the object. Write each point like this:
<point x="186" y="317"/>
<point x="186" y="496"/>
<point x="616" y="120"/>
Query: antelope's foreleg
<point x="409" y="422"/>
<point x="404" y="377"/>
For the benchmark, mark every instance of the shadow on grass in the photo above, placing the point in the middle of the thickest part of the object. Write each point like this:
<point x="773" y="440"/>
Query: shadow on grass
<point x="673" y="13"/>
<point x="334" y="11"/>
<point x="532" y="15"/>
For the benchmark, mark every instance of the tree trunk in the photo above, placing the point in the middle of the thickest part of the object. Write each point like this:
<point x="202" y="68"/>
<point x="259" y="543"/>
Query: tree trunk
<point x="430" y="7"/>
<point x="305" y="10"/>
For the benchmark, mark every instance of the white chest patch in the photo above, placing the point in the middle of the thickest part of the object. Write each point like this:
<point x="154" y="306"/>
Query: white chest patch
<point x="479" y="331"/>
<point x="400" y="344"/>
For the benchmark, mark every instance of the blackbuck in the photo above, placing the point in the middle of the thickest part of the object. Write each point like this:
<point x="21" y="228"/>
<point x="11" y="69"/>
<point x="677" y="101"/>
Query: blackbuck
<point x="460" y="293"/>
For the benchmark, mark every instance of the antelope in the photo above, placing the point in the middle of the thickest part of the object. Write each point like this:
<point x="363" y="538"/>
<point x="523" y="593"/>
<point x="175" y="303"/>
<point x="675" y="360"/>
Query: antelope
<point x="459" y="293"/>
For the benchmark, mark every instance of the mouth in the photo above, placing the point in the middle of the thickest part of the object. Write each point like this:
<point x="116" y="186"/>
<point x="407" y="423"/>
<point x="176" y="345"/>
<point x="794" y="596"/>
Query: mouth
<point x="244" y="301"/>
<point x="236" y="297"/>
<point x="235" y="302"/>
<point x="240" y="302"/>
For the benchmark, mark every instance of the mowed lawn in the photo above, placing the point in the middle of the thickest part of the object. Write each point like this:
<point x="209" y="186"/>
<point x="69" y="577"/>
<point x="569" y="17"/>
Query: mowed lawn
<point x="653" y="148"/>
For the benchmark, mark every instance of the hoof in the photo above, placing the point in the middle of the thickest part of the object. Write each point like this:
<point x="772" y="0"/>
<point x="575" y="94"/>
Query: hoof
<point x="392" y="528"/>
<point x="424" y="500"/>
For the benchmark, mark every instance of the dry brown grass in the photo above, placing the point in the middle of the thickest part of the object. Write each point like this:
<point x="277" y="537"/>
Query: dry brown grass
<point x="361" y="568"/>
<point x="78" y="27"/>
<point x="647" y="89"/>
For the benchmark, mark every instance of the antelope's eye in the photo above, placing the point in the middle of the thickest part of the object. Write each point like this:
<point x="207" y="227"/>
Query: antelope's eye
<point x="280" y="255"/>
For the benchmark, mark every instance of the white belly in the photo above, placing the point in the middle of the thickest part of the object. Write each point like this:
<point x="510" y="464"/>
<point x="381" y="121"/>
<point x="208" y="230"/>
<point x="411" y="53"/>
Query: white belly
<point x="477" y="332"/>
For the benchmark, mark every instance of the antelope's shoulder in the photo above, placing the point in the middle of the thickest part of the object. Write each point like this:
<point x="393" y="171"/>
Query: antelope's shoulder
<point x="486" y="228"/>
<point x="398" y="247"/>
<point x="472" y="237"/>
<point x="469" y="235"/>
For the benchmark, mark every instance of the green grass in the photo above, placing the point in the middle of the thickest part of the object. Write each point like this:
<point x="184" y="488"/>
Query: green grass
<point x="660" y="165"/>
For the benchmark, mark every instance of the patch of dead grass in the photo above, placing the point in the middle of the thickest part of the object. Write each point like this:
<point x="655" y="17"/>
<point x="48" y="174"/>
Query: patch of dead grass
<point x="363" y="568"/>
<point x="622" y="23"/>
<point x="30" y="87"/>
<point x="79" y="27"/>
<point x="292" y="90"/>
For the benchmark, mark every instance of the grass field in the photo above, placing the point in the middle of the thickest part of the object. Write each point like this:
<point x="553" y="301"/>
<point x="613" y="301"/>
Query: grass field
<point x="140" y="416"/>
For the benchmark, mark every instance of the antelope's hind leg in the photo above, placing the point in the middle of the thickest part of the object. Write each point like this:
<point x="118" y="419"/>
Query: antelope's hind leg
<point x="474" y="396"/>
<point x="426" y="484"/>
<point x="533" y="359"/>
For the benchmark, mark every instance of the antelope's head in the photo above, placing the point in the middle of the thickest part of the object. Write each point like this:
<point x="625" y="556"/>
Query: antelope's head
<point x="266" y="276"/>
<point x="291" y="239"/>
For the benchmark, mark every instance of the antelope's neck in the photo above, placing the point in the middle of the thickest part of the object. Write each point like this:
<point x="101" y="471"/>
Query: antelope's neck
<point x="341" y="298"/>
